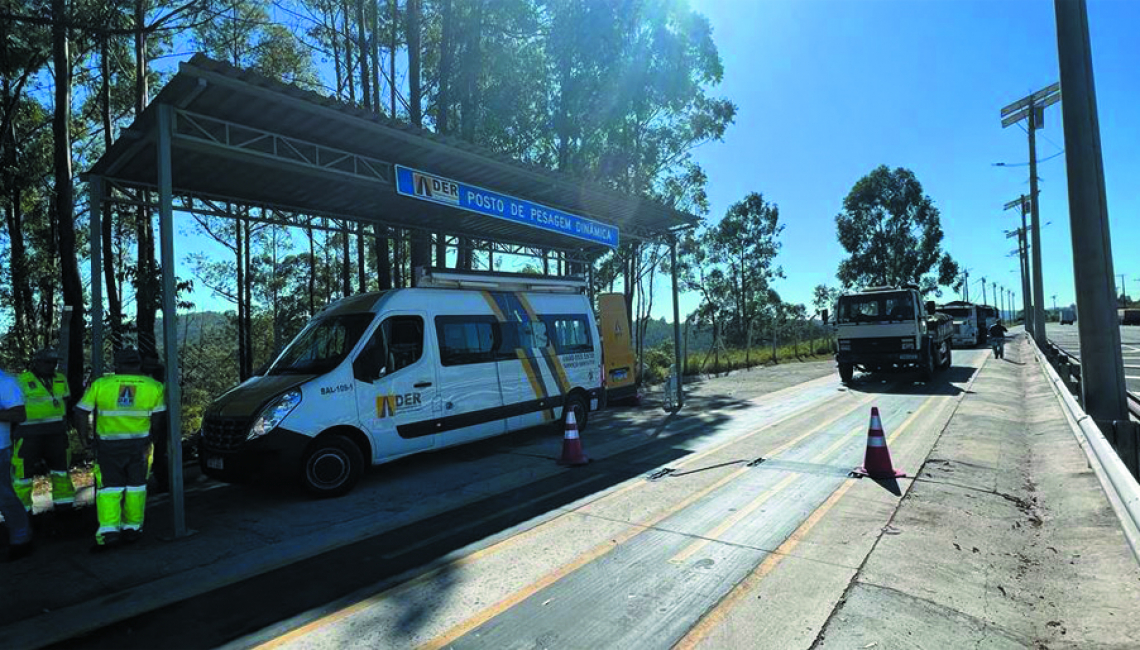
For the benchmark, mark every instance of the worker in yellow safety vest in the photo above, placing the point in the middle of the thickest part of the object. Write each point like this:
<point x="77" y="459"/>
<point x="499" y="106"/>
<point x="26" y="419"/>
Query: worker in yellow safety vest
<point x="122" y="404"/>
<point x="42" y="438"/>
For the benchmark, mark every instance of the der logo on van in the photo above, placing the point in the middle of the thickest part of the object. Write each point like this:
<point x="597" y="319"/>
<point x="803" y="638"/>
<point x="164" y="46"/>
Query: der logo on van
<point x="436" y="189"/>
<point x="387" y="404"/>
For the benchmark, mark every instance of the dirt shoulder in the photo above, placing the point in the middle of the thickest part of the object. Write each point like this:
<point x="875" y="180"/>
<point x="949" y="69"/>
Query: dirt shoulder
<point x="1006" y="539"/>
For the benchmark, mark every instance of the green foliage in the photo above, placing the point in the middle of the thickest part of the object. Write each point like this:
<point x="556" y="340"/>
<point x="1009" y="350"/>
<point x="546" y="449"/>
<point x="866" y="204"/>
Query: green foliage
<point x="893" y="234"/>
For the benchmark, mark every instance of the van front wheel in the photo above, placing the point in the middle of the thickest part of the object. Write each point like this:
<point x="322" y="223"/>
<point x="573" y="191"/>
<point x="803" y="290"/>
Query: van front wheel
<point x="332" y="466"/>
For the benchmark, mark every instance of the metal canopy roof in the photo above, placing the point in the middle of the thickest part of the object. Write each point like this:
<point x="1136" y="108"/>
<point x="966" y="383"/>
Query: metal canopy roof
<point x="241" y="137"/>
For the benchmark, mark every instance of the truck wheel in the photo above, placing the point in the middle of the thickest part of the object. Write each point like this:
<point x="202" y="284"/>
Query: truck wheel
<point x="846" y="372"/>
<point x="332" y="466"/>
<point x="926" y="369"/>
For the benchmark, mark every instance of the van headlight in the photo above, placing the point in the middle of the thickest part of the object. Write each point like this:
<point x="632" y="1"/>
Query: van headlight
<point x="908" y="344"/>
<point x="845" y="345"/>
<point x="273" y="414"/>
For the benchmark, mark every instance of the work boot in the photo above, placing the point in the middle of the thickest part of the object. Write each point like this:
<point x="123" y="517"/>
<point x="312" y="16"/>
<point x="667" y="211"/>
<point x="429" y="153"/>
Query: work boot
<point x="130" y="535"/>
<point x="110" y="541"/>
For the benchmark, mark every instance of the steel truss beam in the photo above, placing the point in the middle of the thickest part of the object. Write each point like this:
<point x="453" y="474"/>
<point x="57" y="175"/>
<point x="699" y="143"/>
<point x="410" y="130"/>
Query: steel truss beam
<point x="210" y="132"/>
<point x="277" y="216"/>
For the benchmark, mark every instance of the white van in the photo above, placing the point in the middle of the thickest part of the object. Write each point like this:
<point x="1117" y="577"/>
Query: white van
<point x="378" y="376"/>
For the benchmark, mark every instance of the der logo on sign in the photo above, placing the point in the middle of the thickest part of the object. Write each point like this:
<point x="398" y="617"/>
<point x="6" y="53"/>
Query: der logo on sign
<point x="436" y="189"/>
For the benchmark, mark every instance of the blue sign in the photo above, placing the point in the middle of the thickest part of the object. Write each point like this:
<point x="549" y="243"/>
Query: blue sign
<point x="428" y="187"/>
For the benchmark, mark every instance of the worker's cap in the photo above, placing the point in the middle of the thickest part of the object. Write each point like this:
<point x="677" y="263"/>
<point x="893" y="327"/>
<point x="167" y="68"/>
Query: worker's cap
<point x="46" y="354"/>
<point x="128" y="357"/>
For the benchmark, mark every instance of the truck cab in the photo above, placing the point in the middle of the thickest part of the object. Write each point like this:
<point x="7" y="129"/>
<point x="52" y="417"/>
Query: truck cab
<point x="883" y="329"/>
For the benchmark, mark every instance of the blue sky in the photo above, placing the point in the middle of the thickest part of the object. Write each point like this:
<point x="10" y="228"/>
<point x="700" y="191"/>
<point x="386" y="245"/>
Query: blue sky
<point x="829" y="89"/>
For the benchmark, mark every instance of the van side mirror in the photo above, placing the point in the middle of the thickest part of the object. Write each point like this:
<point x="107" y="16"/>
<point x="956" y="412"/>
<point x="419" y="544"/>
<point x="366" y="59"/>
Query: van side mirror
<point x="824" y="315"/>
<point x="929" y="307"/>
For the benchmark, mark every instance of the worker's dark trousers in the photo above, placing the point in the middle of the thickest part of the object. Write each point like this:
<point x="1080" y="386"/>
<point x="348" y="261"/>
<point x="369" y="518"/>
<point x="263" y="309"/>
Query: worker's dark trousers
<point x="120" y="497"/>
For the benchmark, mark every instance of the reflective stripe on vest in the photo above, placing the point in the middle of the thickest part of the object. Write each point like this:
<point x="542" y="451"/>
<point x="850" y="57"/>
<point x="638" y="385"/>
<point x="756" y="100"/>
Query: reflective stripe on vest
<point x="43" y="405"/>
<point x="123" y="405"/>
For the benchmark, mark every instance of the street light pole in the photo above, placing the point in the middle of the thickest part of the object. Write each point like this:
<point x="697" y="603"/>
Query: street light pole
<point x="1102" y="369"/>
<point x="1033" y="107"/>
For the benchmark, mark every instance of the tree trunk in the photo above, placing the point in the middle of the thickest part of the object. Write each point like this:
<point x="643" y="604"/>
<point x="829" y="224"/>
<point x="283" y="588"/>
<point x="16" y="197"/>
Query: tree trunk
<point x="362" y="42"/>
<point x="414" y="92"/>
<point x="239" y="250"/>
<point x="349" y="68"/>
<point x="334" y="36"/>
<point x="65" y="210"/>
<point x="345" y="262"/>
<point x="472" y="69"/>
<point x="440" y="251"/>
<point x="398" y="258"/>
<point x="146" y="293"/>
<point x="446" y="59"/>
<point x="394" y="18"/>
<point x="383" y="261"/>
<point x="248" y="290"/>
<point x="374" y="54"/>
<point x="361" y="280"/>
<point x="114" y="305"/>
<point x="421" y="253"/>
<point x="312" y="271"/>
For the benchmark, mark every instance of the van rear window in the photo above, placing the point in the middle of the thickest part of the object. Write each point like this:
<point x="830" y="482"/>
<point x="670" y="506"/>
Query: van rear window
<point x="569" y="333"/>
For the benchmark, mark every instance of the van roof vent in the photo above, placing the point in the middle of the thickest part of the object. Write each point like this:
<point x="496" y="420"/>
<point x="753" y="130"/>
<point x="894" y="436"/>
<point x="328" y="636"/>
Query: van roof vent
<point x="497" y="281"/>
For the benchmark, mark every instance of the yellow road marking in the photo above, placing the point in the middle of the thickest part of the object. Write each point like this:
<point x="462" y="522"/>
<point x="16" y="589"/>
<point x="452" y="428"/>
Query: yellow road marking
<point x="566" y="569"/>
<point x="716" y="616"/>
<point x="736" y="518"/>
<point x="514" y="540"/>
<point x="498" y="513"/>
<point x="741" y="514"/>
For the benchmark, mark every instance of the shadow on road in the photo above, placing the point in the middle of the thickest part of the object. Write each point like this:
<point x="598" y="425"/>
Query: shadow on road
<point x="943" y="383"/>
<point x="335" y="579"/>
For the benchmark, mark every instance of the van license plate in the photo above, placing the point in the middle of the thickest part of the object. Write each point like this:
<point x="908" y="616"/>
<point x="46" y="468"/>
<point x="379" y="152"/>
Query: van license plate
<point x="215" y="463"/>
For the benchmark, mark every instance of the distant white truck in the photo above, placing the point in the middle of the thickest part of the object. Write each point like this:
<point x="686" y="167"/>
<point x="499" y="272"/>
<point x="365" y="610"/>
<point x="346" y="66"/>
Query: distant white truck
<point x="882" y="329"/>
<point x="969" y="330"/>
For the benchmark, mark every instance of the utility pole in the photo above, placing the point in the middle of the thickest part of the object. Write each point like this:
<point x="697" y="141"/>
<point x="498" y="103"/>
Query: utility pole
<point x="983" y="290"/>
<point x="1102" y="369"/>
<point x="1123" y="289"/>
<point x="1030" y="313"/>
<point x="1055" y="307"/>
<point x="994" y="294"/>
<point x="1033" y="107"/>
<point x="966" y="285"/>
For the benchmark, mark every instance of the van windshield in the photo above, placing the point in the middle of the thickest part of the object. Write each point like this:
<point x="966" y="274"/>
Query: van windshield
<point x="322" y="345"/>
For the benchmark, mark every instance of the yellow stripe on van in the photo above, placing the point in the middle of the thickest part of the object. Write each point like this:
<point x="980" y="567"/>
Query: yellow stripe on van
<point x="552" y="360"/>
<point x="494" y="306"/>
<point x="535" y="384"/>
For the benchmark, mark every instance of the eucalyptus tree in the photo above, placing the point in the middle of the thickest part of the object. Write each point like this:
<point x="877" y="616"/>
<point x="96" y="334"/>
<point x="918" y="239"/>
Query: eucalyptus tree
<point x="892" y="233"/>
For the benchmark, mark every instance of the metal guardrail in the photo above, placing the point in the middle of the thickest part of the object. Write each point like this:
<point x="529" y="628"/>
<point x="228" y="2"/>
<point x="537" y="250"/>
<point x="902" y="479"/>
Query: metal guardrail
<point x="1118" y="482"/>
<point x="1068" y="366"/>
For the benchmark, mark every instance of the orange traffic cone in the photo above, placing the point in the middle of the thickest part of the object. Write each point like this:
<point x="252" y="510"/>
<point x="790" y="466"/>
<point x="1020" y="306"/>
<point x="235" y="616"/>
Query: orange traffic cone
<point x="877" y="461"/>
<point x="572" y="453"/>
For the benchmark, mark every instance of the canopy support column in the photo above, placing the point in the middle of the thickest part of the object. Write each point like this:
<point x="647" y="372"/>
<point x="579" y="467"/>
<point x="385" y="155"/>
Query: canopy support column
<point x="678" y="363"/>
<point x="95" y="196"/>
<point x="169" y="319"/>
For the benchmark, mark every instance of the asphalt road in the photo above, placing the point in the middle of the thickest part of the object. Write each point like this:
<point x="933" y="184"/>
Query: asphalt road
<point x="651" y="562"/>
<point x="1067" y="338"/>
